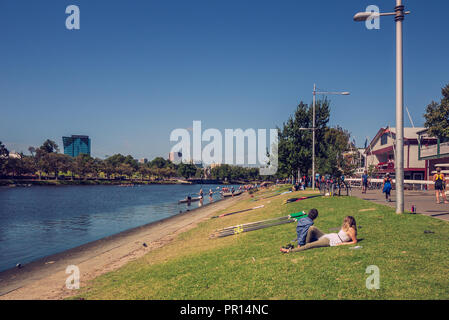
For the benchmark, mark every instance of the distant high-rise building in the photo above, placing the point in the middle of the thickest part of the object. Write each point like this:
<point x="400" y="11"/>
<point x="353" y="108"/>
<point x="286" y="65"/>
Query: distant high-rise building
<point x="143" y="160"/>
<point x="76" y="145"/>
<point x="175" y="157"/>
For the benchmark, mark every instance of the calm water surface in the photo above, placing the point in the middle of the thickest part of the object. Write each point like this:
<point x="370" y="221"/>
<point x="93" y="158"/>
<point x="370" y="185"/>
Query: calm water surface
<point x="39" y="221"/>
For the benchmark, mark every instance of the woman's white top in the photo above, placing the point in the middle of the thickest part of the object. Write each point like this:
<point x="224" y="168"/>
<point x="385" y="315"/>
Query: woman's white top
<point x="337" y="238"/>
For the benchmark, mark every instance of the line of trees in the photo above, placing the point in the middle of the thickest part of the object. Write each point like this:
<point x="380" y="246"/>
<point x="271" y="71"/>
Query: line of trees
<point x="46" y="161"/>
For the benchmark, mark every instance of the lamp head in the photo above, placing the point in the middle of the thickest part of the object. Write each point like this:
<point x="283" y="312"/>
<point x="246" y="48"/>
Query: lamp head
<point x="363" y="16"/>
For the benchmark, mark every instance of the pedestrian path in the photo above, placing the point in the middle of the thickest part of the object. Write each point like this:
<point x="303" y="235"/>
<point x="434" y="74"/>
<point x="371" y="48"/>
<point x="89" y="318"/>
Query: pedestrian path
<point x="424" y="201"/>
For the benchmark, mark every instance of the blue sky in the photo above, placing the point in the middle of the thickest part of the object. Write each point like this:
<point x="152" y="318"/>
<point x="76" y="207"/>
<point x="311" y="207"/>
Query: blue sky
<point x="136" y="70"/>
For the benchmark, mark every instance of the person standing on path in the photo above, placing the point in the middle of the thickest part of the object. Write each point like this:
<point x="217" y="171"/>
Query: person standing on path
<point x="387" y="187"/>
<point x="440" y="186"/>
<point x="364" y="182"/>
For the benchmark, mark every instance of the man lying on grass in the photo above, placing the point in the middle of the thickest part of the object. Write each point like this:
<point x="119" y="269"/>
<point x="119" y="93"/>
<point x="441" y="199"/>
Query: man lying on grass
<point x="317" y="239"/>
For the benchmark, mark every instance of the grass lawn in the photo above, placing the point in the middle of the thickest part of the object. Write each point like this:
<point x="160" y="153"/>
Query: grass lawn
<point x="412" y="264"/>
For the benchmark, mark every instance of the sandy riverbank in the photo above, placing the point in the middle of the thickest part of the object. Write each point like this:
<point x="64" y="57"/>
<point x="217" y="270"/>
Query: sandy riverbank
<point x="46" y="277"/>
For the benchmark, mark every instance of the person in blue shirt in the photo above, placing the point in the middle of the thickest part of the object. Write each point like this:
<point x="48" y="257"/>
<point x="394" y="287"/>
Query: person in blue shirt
<point x="364" y="182"/>
<point x="303" y="227"/>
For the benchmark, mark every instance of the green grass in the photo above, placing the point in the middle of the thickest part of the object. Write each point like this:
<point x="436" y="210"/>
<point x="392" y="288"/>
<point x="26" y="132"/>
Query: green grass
<point x="413" y="264"/>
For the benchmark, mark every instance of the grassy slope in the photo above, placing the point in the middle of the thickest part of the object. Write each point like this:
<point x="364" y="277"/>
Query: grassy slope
<point x="413" y="265"/>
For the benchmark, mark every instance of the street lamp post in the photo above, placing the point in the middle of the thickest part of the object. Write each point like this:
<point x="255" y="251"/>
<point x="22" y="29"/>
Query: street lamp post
<point x="314" y="128"/>
<point x="399" y="157"/>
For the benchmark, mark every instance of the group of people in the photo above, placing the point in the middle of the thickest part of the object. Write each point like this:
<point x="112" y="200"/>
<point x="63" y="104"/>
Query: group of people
<point x="386" y="185"/>
<point x="310" y="237"/>
<point x="439" y="180"/>
<point x="223" y="190"/>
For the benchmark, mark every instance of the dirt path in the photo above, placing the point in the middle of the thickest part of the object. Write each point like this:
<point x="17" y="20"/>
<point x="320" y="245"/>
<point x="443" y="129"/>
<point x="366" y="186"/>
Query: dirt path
<point x="46" y="278"/>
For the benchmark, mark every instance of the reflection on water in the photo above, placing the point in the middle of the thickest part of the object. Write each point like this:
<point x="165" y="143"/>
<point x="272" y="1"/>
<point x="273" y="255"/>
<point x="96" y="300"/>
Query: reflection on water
<point x="39" y="221"/>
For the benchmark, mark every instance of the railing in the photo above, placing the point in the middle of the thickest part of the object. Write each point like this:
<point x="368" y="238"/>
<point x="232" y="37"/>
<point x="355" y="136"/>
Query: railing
<point x="420" y="185"/>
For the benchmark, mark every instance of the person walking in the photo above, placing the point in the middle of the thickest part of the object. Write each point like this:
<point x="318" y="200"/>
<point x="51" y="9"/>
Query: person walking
<point x="440" y="186"/>
<point x="387" y="188"/>
<point x="364" y="182"/>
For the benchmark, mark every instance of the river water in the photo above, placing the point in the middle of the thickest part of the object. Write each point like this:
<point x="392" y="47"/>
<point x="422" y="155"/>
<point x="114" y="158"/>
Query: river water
<point x="42" y="220"/>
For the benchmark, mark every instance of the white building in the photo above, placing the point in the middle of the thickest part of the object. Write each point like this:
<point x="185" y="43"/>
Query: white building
<point x="380" y="153"/>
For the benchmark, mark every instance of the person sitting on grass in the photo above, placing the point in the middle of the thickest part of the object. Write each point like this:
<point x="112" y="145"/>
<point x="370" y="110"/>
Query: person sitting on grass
<point x="303" y="227"/>
<point x="317" y="239"/>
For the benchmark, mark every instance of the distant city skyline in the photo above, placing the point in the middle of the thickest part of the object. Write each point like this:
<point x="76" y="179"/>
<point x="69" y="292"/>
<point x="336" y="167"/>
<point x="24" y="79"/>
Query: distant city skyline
<point x="136" y="71"/>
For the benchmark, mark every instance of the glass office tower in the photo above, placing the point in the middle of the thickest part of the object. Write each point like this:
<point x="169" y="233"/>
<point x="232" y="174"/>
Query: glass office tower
<point x="75" y="145"/>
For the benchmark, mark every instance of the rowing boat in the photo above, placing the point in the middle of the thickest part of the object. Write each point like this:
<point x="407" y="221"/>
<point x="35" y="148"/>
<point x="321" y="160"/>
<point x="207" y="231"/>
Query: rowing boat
<point x="191" y="200"/>
<point x="230" y="194"/>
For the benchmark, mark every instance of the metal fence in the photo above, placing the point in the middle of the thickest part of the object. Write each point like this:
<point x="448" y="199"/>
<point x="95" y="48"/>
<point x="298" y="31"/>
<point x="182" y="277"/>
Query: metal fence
<point x="376" y="184"/>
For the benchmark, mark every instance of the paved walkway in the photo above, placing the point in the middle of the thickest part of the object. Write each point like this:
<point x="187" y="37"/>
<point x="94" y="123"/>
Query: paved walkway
<point x="424" y="201"/>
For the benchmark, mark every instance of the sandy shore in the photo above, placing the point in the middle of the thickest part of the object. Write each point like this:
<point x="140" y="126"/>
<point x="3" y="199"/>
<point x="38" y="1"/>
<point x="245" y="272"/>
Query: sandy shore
<point x="46" y="277"/>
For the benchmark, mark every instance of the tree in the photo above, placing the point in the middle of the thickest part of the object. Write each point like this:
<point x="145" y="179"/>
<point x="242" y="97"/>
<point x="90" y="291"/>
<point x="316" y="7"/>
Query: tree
<point x="186" y="170"/>
<point x="28" y="165"/>
<point x="159" y="162"/>
<point x="44" y="161"/>
<point x="295" y="138"/>
<point x="49" y="146"/>
<point x="32" y="150"/>
<point x="4" y="155"/>
<point x="12" y="167"/>
<point x="107" y="167"/>
<point x="167" y="172"/>
<point x="131" y="162"/>
<point x="57" y="162"/>
<point x="82" y="165"/>
<point x="144" y="171"/>
<point x="437" y="116"/>
<point x="336" y="141"/>
<point x="125" y="169"/>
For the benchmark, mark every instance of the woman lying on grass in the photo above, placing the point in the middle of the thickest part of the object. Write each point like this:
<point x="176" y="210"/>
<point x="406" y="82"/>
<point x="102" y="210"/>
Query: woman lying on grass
<point x="317" y="239"/>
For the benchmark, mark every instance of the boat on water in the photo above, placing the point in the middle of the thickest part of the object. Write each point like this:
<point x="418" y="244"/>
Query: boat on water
<point x="191" y="200"/>
<point x="229" y="194"/>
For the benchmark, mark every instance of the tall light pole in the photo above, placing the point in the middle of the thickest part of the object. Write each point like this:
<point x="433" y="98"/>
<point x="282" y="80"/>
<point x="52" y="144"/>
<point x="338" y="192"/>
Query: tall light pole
<point x="314" y="128"/>
<point x="399" y="157"/>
